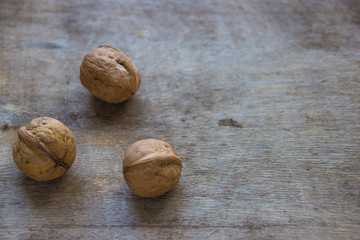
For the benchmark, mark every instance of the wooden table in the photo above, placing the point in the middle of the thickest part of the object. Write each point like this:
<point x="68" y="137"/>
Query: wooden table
<point x="261" y="100"/>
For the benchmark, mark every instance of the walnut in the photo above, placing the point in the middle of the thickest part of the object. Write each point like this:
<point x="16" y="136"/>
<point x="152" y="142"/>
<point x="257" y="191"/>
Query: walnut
<point x="45" y="149"/>
<point x="109" y="74"/>
<point x="151" y="167"/>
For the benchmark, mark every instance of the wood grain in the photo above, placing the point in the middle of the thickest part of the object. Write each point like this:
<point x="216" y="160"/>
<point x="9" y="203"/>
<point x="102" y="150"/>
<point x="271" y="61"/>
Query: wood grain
<point x="287" y="72"/>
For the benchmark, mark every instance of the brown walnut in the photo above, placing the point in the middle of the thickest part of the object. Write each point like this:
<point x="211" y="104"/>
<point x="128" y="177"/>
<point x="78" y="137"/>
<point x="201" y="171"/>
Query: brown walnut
<point x="151" y="167"/>
<point x="109" y="74"/>
<point x="45" y="149"/>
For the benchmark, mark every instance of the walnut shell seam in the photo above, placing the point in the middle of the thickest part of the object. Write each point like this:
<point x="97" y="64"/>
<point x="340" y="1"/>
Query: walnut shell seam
<point x="27" y="136"/>
<point x="160" y="158"/>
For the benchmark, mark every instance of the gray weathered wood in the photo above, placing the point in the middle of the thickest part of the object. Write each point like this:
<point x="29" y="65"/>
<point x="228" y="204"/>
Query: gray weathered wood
<point x="260" y="99"/>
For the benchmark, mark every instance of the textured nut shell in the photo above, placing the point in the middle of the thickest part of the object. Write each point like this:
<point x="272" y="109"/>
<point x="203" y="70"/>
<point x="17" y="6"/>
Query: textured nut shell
<point x="109" y="74"/>
<point x="45" y="149"/>
<point x="151" y="167"/>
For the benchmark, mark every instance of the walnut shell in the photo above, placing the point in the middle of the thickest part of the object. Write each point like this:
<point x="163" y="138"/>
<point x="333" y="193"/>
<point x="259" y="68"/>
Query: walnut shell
<point x="109" y="74"/>
<point x="151" y="167"/>
<point x="45" y="149"/>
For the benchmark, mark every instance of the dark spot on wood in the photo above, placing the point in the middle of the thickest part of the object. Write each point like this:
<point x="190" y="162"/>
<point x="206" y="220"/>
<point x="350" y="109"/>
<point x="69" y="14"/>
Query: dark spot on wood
<point x="4" y="127"/>
<point x="73" y="116"/>
<point x="309" y="117"/>
<point x="45" y="45"/>
<point x="230" y="122"/>
<point x="49" y="45"/>
<point x="201" y="172"/>
<point x="253" y="226"/>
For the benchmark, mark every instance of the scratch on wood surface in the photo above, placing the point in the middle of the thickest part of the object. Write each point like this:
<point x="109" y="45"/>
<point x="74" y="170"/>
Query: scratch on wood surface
<point x="212" y="233"/>
<point x="292" y="132"/>
<point x="327" y="169"/>
<point x="291" y="172"/>
<point x="191" y="183"/>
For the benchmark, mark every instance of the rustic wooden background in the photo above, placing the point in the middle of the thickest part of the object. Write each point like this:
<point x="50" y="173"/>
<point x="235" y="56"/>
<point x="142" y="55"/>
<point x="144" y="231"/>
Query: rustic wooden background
<point x="260" y="99"/>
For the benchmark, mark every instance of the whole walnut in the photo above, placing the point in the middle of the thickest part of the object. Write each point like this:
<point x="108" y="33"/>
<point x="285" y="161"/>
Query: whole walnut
<point x="109" y="74"/>
<point x="45" y="149"/>
<point x="151" y="167"/>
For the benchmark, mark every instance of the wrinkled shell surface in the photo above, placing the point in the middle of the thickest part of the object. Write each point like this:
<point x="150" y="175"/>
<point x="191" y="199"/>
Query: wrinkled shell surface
<point x="45" y="149"/>
<point x="151" y="167"/>
<point x="109" y="74"/>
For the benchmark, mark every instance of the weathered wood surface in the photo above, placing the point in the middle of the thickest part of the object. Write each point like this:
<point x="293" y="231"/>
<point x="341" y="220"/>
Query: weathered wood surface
<point x="261" y="100"/>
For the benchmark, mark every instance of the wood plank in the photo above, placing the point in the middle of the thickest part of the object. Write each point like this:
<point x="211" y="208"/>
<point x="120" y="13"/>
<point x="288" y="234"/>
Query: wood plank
<point x="260" y="101"/>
